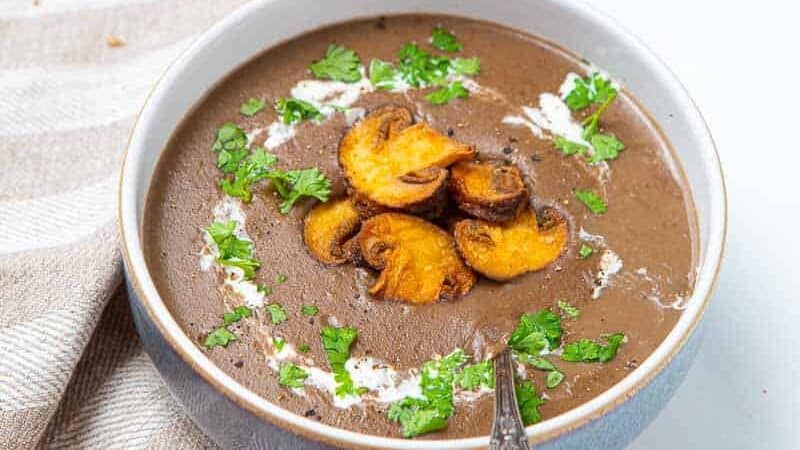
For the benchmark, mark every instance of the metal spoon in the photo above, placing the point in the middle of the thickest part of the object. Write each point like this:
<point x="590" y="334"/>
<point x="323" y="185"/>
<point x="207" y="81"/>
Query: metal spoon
<point x="508" y="432"/>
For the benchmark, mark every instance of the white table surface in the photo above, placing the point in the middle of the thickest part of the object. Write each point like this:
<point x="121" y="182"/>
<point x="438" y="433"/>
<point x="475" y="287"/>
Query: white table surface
<point x="739" y="60"/>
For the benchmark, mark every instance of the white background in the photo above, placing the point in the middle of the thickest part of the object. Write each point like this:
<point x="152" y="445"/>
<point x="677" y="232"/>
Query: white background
<point x="739" y="60"/>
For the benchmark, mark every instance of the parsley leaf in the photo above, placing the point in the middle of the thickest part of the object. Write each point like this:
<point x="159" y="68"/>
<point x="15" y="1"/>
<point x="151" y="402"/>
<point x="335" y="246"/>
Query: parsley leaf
<point x="340" y="64"/>
<point x="537" y="362"/>
<point x="309" y="310"/>
<point x="279" y="343"/>
<point x="416" y="416"/>
<point x="337" y="342"/>
<point x="233" y="251"/>
<point x="277" y="313"/>
<point x="293" y="185"/>
<point x="467" y="66"/>
<point x="528" y="402"/>
<point x="382" y="74"/>
<point x="444" y="40"/>
<point x="230" y="145"/>
<point x="252" y="106"/>
<point x="291" y="375"/>
<point x="475" y="375"/>
<point x="593" y="89"/>
<point x="587" y="350"/>
<point x="238" y="313"/>
<point x="568" y="309"/>
<point x="585" y="251"/>
<point x="605" y="147"/>
<point x="255" y="168"/>
<point x="282" y="278"/>
<point x="568" y="147"/>
<point x="304" y="348"/>
<point x="592" y="201"/>
<point x="219" y="337"/>
<point x="536" y="332"/>
<point x="451" y="92"/>
<point x="294" y="110"/>
<point x="419" y="416"/>
<point x="554" y="378"/>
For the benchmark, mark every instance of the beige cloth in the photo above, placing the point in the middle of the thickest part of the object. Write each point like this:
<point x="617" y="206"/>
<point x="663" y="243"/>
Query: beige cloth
<point x="72" y="370"/>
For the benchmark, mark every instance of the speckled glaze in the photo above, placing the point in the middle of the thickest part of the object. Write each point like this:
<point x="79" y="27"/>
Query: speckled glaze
<point x="237" y="418"/>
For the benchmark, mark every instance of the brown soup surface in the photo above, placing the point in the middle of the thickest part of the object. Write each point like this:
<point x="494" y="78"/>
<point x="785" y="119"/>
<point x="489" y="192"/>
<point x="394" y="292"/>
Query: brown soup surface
<point x="635" y="281"/>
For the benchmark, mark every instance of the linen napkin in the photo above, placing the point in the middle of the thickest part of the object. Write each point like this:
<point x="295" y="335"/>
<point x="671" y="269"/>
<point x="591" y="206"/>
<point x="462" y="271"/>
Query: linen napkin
<point x="73" y="76"/>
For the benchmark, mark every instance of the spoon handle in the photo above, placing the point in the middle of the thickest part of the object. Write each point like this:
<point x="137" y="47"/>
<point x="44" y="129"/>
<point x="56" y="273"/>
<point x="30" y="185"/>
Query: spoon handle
<point x="508" y="432"/>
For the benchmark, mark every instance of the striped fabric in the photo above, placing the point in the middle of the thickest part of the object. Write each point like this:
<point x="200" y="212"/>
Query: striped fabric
<point x="72" y="371"/>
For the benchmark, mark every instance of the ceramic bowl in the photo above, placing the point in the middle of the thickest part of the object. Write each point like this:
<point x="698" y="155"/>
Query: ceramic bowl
<point x="234" y="416"/>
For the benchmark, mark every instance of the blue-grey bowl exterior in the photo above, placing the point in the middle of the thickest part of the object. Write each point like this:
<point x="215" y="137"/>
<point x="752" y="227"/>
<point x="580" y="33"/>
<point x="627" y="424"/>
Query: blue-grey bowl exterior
<point x="233" y="427"/>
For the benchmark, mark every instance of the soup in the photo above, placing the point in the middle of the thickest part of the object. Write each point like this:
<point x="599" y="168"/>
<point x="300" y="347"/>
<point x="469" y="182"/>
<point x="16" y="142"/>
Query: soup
<point x="356" y="221"/>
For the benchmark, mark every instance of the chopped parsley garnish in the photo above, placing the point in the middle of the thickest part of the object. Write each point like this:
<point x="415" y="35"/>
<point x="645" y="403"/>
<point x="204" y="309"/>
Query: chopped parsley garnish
<point x="419" y="68"/>
<point x="279" y="343"/>
<point x="450" y="92"/>
<point x="254" y="169"/>
<point x="293" y="185"/>
<point x="605" y="147"/>
<point x="444" y="40"/>
<point x="252" y="106"/>
<point x="291" y="375"/>
<point x="220" y="336"/>
<point x="536" y="332"/>
<point x="277" y="313"/>
<point x="293" y="110"/>
<point x="528" y="402"/>
<point x="475" y="375"/>
<point x="233" y="251"/>
<point x="304" y="348"/>
<point x="568" y="309"/>
<point x="382" y="74"/>
<point x="467" y="66"/>
<point x="337" y="342"/>
<point x="593" y="89"/>
<point x="282" y="278"/>
<point x="230" y="145"/>
<point x="238" y="313"/>
<point x="587" y="350"/>
<point x="309" y="310"/>
<point x="541" y="363"/>
<point x="592" y="201"/>
<point x="585" y="251"/>
<point x="568" y="147"/>
<point x="339" y="63"/>
<point x="266" y="290"/>
<point x="422" y="415"/>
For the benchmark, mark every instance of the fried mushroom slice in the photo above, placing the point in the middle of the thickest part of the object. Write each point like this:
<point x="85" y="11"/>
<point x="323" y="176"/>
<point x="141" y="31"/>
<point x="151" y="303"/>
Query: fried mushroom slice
<point x="418" y="261"/>
<point x="392" y="165"/>
<point x="329" y="230"/>
<point x="489" y="190"/>
<point x="504" y="251"/>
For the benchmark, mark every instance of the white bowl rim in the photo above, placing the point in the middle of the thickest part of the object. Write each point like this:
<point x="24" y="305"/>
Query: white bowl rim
<point x="598" y="406"/>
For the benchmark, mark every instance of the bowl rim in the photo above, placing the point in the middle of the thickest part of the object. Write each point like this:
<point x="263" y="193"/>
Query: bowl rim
<point x="608" y="400"/>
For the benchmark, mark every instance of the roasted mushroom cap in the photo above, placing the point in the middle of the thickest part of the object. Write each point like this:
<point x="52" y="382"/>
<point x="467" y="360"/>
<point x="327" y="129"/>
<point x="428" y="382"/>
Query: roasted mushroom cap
<point x="490" y="190"/>
<point x="391" y="164"/>
<point x="504" y="251"/>
<point x="329" y="230"/>
<point x="418" y="260"/>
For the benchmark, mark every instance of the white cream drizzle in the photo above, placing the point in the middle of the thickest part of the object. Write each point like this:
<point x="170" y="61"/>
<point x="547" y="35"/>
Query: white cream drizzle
<point x="610" y="265"/>
<point x="679" y="303"/>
